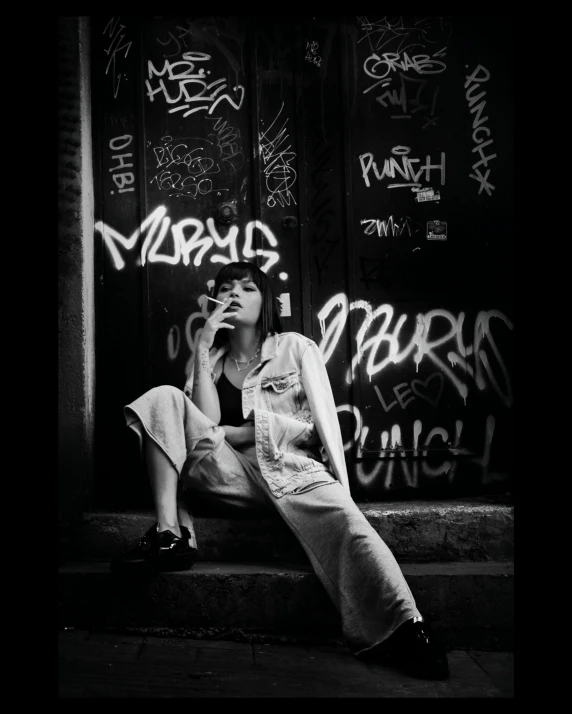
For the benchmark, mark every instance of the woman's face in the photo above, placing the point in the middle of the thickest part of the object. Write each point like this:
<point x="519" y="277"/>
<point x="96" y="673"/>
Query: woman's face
<point x="246" y="300"/>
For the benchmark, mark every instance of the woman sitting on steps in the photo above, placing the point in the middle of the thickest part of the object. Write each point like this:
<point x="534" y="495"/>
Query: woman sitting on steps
<point x="256" y="426"/>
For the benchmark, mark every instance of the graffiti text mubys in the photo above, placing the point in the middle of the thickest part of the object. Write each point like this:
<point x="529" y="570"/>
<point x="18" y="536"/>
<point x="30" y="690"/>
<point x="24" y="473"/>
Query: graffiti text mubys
<point x="180" y="246"/>
<point x="481" y="360"/>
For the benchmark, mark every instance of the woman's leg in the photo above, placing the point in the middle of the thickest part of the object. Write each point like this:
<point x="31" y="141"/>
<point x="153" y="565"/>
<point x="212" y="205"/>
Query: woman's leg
<point x="355" y="566"/>
<point x="173" y="433"/>
<point x="164" y="481"/>
<point x="185" y="451"/>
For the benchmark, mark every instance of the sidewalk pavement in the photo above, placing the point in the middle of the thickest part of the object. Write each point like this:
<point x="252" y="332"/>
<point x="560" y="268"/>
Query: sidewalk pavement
<point x="94" y="664"/>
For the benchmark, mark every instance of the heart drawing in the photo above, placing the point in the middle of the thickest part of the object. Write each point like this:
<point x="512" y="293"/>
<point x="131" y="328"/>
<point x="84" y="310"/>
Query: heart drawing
<point x="418" y="384"/>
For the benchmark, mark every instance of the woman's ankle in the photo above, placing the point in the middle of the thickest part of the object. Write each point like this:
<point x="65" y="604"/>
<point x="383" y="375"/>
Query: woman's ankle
<point x="173" y="527"/>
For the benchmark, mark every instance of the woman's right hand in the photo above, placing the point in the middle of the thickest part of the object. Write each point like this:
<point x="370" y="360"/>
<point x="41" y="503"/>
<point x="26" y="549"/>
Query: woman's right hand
<point x="215" y="322"/>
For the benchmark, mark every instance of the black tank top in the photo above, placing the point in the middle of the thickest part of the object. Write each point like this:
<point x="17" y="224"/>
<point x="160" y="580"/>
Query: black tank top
<point x="230" y="398"/>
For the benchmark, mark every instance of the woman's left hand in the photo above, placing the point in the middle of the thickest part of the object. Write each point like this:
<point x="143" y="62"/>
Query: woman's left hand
<point x="239" y="435"/>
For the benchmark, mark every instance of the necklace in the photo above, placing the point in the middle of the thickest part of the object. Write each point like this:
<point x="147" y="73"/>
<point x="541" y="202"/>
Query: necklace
<point x="239" y="361"/>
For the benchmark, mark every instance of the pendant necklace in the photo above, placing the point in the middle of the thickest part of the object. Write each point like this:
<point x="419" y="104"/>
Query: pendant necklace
<point x="238" y="361"/>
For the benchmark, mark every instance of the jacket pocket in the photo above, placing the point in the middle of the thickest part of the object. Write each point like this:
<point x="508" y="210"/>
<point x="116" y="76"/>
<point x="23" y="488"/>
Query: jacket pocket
<point x="282" y="393"/>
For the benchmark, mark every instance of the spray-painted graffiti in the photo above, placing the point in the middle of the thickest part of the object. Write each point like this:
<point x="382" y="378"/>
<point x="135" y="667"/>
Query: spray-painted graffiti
<point x="380" y="67"/>
<point x="279" y="175"/>
<point x="391" y="165"/>
<point x="124" y="161"/>
<point x="115" y="33"/>
<point x="408" y="103"/>
<point x="226" y="140"/>
<point x="416" y="445"/>
<point x="399" y="38"/>
<point x="390" y="227"/>
<point x="482" y="352"/>
<point x="429" y="390"/>
<point x="312" y="53"/>
<point x="400" y="33"/>
<point x="156" y="227"/>
<point x="479" y="76"/>
<point x="183" y="80"/>
<point x="194" y="167"/>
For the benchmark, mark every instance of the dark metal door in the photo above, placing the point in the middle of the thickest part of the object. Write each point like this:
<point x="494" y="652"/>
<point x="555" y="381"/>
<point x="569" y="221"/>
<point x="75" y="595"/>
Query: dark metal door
<point x="340" y="157"/>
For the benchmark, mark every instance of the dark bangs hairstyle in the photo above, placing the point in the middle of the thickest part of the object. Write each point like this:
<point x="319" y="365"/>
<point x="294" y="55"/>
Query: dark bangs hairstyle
<point x="269" y="320"/>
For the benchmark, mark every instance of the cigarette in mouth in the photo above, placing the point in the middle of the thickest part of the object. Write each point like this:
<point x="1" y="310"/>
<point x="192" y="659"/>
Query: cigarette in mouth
<point x="215" y="300"/>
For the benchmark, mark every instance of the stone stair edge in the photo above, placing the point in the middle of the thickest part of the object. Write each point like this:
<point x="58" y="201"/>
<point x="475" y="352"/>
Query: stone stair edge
<point x="215" y="568"/>
<point x="476" y="504"/>
<point x="471" y="604"/>
<point x="448" y="530"/>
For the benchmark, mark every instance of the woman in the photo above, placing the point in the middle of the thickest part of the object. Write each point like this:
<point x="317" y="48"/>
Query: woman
<point x="256" y="426"/>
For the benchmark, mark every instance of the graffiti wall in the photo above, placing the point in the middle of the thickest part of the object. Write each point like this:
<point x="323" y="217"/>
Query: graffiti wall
<point x="366" y="166"/>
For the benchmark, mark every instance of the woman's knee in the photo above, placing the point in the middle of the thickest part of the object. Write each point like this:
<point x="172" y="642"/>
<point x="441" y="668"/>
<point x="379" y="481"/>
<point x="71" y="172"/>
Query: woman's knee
<point x="165" y="392"/>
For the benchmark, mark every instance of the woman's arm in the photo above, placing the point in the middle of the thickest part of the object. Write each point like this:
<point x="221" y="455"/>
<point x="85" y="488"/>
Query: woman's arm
<point x="239" y="435"/>
<point x="205" y="395"/>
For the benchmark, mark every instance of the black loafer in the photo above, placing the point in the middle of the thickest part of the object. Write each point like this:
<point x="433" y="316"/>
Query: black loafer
<point x="156" y="551"/>
<point x="414" y="650"/>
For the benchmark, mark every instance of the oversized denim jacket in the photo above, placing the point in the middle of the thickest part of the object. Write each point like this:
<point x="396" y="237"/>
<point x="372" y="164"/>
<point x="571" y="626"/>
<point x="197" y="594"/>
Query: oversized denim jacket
<point x="289" y="397"/>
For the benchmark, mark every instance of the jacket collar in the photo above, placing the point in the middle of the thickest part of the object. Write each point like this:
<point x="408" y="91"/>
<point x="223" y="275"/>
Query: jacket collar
<point x="269" y="347"/>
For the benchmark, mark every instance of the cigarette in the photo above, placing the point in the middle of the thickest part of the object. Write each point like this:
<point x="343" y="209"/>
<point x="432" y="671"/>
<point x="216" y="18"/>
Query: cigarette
<point x="215" y="300"/>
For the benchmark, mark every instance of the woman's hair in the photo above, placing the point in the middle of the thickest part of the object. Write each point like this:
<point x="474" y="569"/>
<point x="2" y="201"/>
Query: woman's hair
<point x="269" y="320"/>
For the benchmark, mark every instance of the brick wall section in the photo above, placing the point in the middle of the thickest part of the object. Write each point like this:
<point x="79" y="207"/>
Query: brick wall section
<point x="76" y="275"/>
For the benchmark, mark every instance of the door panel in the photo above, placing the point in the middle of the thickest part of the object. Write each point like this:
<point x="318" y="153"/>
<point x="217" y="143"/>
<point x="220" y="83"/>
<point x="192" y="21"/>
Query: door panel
<point x="343" y="158"/>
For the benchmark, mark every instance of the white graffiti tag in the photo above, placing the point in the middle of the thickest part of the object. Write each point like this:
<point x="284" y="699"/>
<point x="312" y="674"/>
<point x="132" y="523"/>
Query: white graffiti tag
<point x="406" y="169"/>
<point x="183" y="79"/>
<point x="421" y="344"/>
<point x="380" y="67"/>
<point x="156" y="228"/>
<point x="479" y="77"/>
<point x="115" y="33"/>
<point x="280" y="176"/>
<point x="394" y="444"/>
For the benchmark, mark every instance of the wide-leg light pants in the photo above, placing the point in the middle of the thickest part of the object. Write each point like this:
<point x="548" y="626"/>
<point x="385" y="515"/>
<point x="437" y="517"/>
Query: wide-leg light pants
<point x="357" y="569"/>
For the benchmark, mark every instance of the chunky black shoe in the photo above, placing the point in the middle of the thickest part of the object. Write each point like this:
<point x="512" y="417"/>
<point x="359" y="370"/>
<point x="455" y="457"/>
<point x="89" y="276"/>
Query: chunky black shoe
<point x="156" y="551"/>
<point x="414" y="650"/>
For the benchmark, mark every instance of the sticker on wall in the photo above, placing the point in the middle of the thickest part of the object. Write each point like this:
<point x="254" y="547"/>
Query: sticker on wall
<point x="427" y="194"/>
<point x="284" y="299"/>
<point x="436" y="230"/>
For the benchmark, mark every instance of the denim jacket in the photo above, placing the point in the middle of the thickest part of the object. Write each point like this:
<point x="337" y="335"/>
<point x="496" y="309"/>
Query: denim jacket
<point x="289" y="398"/>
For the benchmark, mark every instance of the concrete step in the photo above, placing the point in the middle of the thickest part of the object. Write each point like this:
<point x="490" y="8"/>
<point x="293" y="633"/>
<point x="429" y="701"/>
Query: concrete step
<point x="476" y="529"/>
<point x="469" y="604"/>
